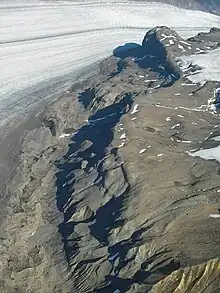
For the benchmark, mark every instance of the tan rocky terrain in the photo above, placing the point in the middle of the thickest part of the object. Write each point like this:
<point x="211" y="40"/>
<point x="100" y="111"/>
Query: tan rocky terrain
<point x="106" y="197"/>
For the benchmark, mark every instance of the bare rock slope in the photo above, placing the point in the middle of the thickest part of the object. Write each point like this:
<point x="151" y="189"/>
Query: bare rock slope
<point x="107" y="198"/>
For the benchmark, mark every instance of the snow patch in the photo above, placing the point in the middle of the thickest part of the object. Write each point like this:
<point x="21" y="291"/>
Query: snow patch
<point x="186" y="141"/>
<point x="188" y="84"/>
<point x="217" y="138"/>
<point x="123" y="136"/>
<point x="135" y="109"/>
<point x="210" y="64"/>
<point x="64" y="135"/>
<point x="181" y="47"/>
<point x="142" y="151"/>
<point x="176" y="125"/>
<point x="167" y="37"/>
<point x="162" y="106"/>
<point x="185" y="43"/>
<point x="216" y="216"/>
<point x="148" y="80"/>
<point x="208" y="154"/>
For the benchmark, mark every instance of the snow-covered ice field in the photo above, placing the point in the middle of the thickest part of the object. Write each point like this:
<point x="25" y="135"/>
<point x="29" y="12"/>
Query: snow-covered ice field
<point x="210" y="64"/>
<point x="45" y="45"/>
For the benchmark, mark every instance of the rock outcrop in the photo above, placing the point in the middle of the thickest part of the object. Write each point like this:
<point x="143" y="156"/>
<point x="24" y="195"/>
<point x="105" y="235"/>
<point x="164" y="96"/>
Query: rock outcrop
<point x="106" y="197"/>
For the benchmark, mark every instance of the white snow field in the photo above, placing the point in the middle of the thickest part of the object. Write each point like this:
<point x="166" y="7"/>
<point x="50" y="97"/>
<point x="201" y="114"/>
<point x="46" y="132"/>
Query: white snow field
<point x="46" y="45"/>
<point x="208" y="154"/>
<point x="210" y="64"/>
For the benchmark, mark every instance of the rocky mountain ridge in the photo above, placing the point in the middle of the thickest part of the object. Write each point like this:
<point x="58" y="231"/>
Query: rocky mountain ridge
<point x="107" y="197"/>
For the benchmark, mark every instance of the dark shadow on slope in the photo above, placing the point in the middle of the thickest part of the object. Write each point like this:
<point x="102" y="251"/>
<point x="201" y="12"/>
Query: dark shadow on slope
<point x="161" y="264"/>
<point x="128" y="50"/>
<point x="99" y="132"/>
<point x="51" y="125"/>
<point x="136" y="52"/>
<point x="106" y="219"/>
<point x="116" y="283"/>
<point x="122" y="248"/>
<point x="151" y="55"/>
<point x="86" y="97"/>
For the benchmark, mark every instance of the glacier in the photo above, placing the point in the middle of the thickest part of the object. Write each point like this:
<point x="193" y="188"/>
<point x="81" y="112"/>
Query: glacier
<point x="47" y="45"/>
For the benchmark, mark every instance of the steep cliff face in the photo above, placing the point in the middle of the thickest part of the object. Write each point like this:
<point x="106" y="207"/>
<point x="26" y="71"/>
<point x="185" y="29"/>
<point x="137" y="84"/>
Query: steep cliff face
<point x="107" y="197"/>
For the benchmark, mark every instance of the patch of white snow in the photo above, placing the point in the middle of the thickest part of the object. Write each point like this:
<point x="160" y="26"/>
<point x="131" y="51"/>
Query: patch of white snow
<point x="64" y="135"/>
<point x="185" y="43"/>
<point x="208" y="154"/>
<point x="217" y="138"/>
<point x="135" y="109"/>
<point x="210" y="64"/>
<point x="176" y="125"/>
<point x="123" y="136"/>
<point x="216" y="216"/>
<point x="186" y="141"/>
<point x="142" y="151"/>
<point x="181" y="47"/>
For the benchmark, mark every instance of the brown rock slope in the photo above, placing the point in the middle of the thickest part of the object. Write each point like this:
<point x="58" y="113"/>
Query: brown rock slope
<point x="107" y="198"/>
